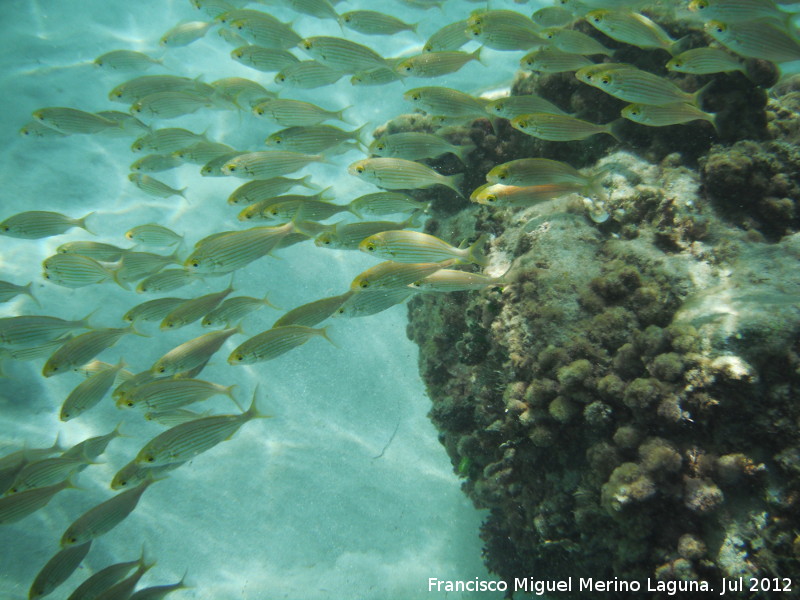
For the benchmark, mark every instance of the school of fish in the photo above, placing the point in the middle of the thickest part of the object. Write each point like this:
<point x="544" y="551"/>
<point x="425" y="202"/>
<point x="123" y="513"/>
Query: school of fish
<point x="279" y="206"/>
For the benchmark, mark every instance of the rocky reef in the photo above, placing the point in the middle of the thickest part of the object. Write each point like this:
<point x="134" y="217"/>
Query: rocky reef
<point x="625" y="404"/>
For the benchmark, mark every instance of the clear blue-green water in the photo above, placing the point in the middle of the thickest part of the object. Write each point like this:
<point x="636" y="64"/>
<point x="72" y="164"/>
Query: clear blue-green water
<point x="297" y="506"/>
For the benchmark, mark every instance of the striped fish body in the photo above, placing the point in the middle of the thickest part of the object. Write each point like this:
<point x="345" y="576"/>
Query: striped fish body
<point x="37" y="224"/>
<point x="153" y="187"/>
<point x="400" y="174"/>
<point x="436" y="64"/>
<point x="88" y="393"/>
<point x="57" y="570"/>
<point x="125" y="60"/>
<point x="265" y="30"/>
<point x="93" y="447"/>
<point x="446" y="102"/>
<point x="83" y="348"/>
<point x="133" y="474"/>
<point x="34" y="352"/>
<point x="30" y="330"/>
<point x="342" y="55"/>
<point x="385" y="203"/>
<point x="102" y="580"/>
<point x="261" y="189"/>
<point x="557" y="128"/>
<point x="169" y="105"/>
<point x="370" y="22"/>
<point x="535" y="171"/>
<point x="302" y="210"/>
<point x="414" y="146"/>
<point x="756" y="39"/>
<point x="185" y="33"/>
<point x="267" y="60"/>
<point x="104" y="517"/>
<point x="235" y="249"/>
<point x="45" y="472"/>
<point x="185" y="441"/>
<point x="348" y="236"/>
<point x="272" y="343"/>
<point x="167" y="394"/>
<point x="266" y="164"/>
<point x="234" y="310"/>
<point x="71" y="120"/>
<point x="96" y="250"/>
<point x="630" y="28"/>
<point x="366" y="303"/>
<point x="213" y="168"/>
<point x="549" y="60"/>
<point x="145" y="85"/>
<point x="16" y="507"/>
<point x="634" y="85"/>
<point x="295" y="113"/>
<point x="495" y="194"/>
<point x="379" y="76"/>
<point x="448" y="38"/>
<point x="152" y="310"/>
<point x="166" y="140"/>
<point x="202" y="152"/>
<point x="74" y="270"/>
<point x="194" y="309"/>
<point x="669" y="114"/>
<point x="192" y="353"/>
<point x="312" y="313"/>
<point x="705" y="61"/>
<point x="166" y="281"/>
<point x="311" y="140"/>
<point x="393" y="275"/>
<point x="137" y="265"/>
<point x="449" y="280"/>
<point x="513" y="106"/>
<point x="412" y="247"/>
<point x="307" y="75"/>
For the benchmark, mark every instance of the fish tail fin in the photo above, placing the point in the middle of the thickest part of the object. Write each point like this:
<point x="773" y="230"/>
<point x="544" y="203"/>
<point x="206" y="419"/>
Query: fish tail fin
<point x="612" y="129"/>
<point x="475" y="253"/>
<point x="340" y="115"/>
<point x="82" y="222"/>
<point x="454" y="183"/>
<point x="118" y="433"/>
<point x="132" y="329"/>
<point x="462" y="152"/>
<point x="697" y="96"/>
<point x="477" y="56"/>
<point x="123" y="284"/>
<point x="324" y="333"/>
<point x="28" y="291"/>
<point x="679" y="45"/>
<point x="413" y="27"/>
<point x="306" y="182"/>
<point x="85" y="320"/>
<point x="229" y="393"/>
<point x="265" y="301"/>
<point x="253" y="412"/>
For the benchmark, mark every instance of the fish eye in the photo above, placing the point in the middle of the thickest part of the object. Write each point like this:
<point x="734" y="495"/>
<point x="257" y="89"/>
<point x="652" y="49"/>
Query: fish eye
<point x="359" y="169"/>
<point x="363" y="283"/>
<point x="129" y="404"/>
<point x="380" y="147"/>
<point x="502" y="176"/>
<point x="238" y="357"/>
<point x="307" y="45"/>
<point x="605" y="79"/>
<point x="370" y="246"/>
<point x="491" y="198"/>
<point x="346" y="18"/>
<point x="150" y="459"/>
<point x="122" y="483"/>
<point x="277" y="140"/>
<point x="522" y="124"/>
<point x="596" y="18"/>
<point x="194" y="263"/>
<point x="280" y="78"/>
<point x="161" y="369"/>
<point x="259" y="111"/>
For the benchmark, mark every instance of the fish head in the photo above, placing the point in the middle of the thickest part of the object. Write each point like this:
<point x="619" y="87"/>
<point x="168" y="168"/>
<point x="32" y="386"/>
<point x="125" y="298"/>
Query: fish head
<point x="633" y="112"/>
<point x="674" y="64"/>
<point x="405" y="67"/>
<point x="715" y="28"/>
<point x="324" y="239"/>
<point x="474" y="31"/>
<point x="274" y="140"/>
<point x="236" y="358"/>
<point x="596" y="17"/>
<point x="370" y="245"/>
<point x="698" y="5"/>
<point x="357" y="168"/>
<point x="498" y="174"/>
<point x="306" y="44"/>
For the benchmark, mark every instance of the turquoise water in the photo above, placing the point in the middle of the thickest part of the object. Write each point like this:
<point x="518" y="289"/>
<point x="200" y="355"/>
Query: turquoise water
<point x="297" y="506"/>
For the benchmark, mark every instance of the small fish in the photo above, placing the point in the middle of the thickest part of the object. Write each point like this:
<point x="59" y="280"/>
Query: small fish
<point x="133" y="474"/>
<point x="436" y="64"/>
<point x="136" y="265"/>
<point x="34" y="352"/>
<point x="347" y="236"/>
<point x="447" y="39"/>
<point x="446" y="102"/>
<point x="313" y="139"/>
<point x="273" y="342"/>
<point x="202" y="152"/>
<point x="239" y="90"/>
<point x="370" y="22"/>
<point x="126" y="60"/>
<point x="234" y="310"/>
<point x="124" y="588"/>
<point x="35" y="129"/>
<point x="394" y="275"/>
<point x="96" y="250"/>
<point x="521" y="196"/>
<point x="399" y="174"/>
<point x="558" y="128"/>
<point x="266" y="164"/>
<point x="552" y="16"/>
<point x="156" y="163"/>
<point x="263" y="29"/>
<point x="291" y="113"/>
<point x="417" y="247"/>
<point x="386" y="203"/>
<point x="192" y="353"/>
<point x="169" y="105"/>
<point x="145" y="85"/>
<point x="166" y="281"/>
<point x="10" y="290"/>
<point x="45" y="472"/>
<point x="83" y="348"/>
<point x="535" y="171"/>
<point x="321" y="9"/>
<point x="261" y="189"/>
<point x="170" y="418"/>
<point x="235" y="249"/>
<point x="307" y="74"/>
<point x="75" y="271"/>
<point x="153" y="187"/>
<point x="366" y="303"/>
<point x="213" y="168"/>
<point x="194" y="309"/>
<point x="57" y="570"/>
<point x="184" y="442"/>
<point x="756" y="39"/>
<point x="167" y="140"/>
<point x="104" y="517"/>
<point x="71" y="120"/>
<point x="342" y="55"/>
<point x="153" y="234"/>
<point x="89" y="392"/>
<point x="185" y="34"/>
<point x="551" y="60"/>
<point x="266" y="60"/>
<point x="379" y="76"/>
<point x="705" y="61"/>
<point x="302" y="209"/>
<point x="312" y="313"/>
<point x="93" y="447"/>
<point x="157" y="592"/>
<point x="16" y="507"/>
<point x="738" y="11"/>
<point x="103" y="579"/>
<point x="450" y="280"/>
<point x="504" y="36"/>
<point x="631" y="28"/>
<point x="634" y="85"/>
<point x="152" y="310"/>
<point x="168" y="394"/>
<point x="127" y="124"/>
<point x="669" y="114"/>
<point x="415" y="146"/>
<point x="37" y="224"/>
<point x="514" y="106"/>
<point x="30" y="330"/>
